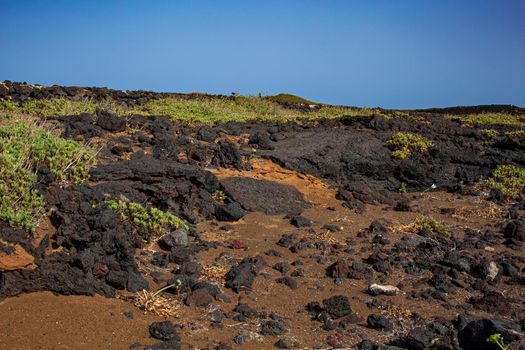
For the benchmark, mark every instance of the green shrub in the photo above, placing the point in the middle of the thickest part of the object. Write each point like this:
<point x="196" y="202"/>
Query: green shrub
<point x="520" y="134"/>
<point x="154" y="221"/>
<point x="23" y="146"/>
<point x="20" y="204"/>
<point x="428" y="224"/>
<point x="509" y="179"/>
<point x="403" y="144"/>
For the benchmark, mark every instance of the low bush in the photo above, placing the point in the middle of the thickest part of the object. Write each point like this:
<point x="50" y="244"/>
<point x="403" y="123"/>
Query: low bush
<point x="403" y="144"/>
<point x="154" y="221"/>
<point x="509" y="179"/>
<point x="25" y="146"/>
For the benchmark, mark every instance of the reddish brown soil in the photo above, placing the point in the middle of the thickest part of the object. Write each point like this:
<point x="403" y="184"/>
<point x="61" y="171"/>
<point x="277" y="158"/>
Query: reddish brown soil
<point x="46" y="321"/>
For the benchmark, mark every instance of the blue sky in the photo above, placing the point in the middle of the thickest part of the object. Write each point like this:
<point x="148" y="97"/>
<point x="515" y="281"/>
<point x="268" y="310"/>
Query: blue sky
<point x="389" y="53"/>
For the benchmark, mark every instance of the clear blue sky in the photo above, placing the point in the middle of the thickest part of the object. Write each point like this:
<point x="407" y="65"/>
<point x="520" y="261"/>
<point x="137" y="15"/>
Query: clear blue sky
<point x="389" y="53"/>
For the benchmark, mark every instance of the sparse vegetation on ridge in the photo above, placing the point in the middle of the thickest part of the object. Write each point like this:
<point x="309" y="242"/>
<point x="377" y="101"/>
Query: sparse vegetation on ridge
<point x="192" y="110"/>
<point x="488" y="118"/>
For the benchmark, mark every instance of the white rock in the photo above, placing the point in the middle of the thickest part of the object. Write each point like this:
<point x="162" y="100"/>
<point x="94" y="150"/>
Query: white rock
<point x="377" y="289"/>
<point x="492" y="271"/>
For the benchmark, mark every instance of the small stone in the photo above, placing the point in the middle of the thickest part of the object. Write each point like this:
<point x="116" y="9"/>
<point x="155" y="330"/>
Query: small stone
<point x="243" y="337"/>
<point x="229" y="212"/>
<point x="377" y="289"/>
<point x="300" y="221"/>
<point x="274" y="327"/>
<point x="128" y="314"/>
<point x="164" y="330"/>
<point x="282" y="267"/>
<point x="490" y="270"/>
<point x="179" y="237"/>
<point x="288" y="281"/>
<point x="379" y="322"/>
<point x="337" y="306"/>
<point x="200" y="298"/>
<point x="282" y="344"/>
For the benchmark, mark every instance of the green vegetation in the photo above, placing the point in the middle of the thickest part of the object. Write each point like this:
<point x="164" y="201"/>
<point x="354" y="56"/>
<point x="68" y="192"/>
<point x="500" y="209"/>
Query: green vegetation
<point x="520" y="134"/>
<point x="403" y="187"/>
<point x="240" y="108"/>
<point x="403" y="144"/>
<point x="204" y="109"/>
<point x="490" y="133"/>
<point x="428" y="224"/>
<point x="24" y="145"/>
<point x="57" y="107"/>
<point x="497" y="339"/>
<point x="154" y="221"/>
<point x="509" y="179"/>
<point x="488" y="118"/>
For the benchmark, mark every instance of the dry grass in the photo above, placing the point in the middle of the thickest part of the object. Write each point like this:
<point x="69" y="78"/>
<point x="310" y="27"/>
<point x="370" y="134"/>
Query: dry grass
<point x="422" y="223"/>
<point x="214" y="273"/>
<point x="157" y="303"/>
<point x="328" y="237"/>
<point x="484" y="209"/>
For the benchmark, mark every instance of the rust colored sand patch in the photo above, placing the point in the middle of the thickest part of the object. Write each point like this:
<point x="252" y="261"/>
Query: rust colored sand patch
<point x="313" y="189"/>
<point x="14" y="257"/>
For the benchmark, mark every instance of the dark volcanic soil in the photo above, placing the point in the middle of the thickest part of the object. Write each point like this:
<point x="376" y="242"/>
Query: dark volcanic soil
<point x="291" y="227"/>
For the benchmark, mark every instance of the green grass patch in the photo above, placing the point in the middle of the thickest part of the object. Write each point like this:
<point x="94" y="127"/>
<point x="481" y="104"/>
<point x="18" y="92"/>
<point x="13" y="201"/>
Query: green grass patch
<point x="154" y="221"/>
<point x="205" y="109"/>
<point x="509" y="179"/>
<point x="488" y="118"/>
<point x="23" y="146"/>
<point x="403" y="144"/>
<point x="57" y="107"/>
<point x="240" y="108"/>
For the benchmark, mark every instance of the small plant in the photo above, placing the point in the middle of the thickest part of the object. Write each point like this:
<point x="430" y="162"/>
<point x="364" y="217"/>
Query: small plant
<point x="153" y="220"/>
<point x="491" y="133"/>
<point x="430" y="225"/>
<point x="425" y="223"/>
<point x="509" y="179"/>
<point x="403" y="144"/>
<point x="403" y="187"/>
<point x="497" y="339"/>
<point x="219" y="196"/>
<point x="519" y="134"/>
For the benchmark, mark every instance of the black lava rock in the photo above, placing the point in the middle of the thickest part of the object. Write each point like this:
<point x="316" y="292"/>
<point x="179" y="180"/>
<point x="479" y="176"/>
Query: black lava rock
<point x="229" y="212"/>
<point x="300" y="221"/>
<point x="337" y="306"/>
<point x="164" y="330"/>
<point x="380" y="322"/>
